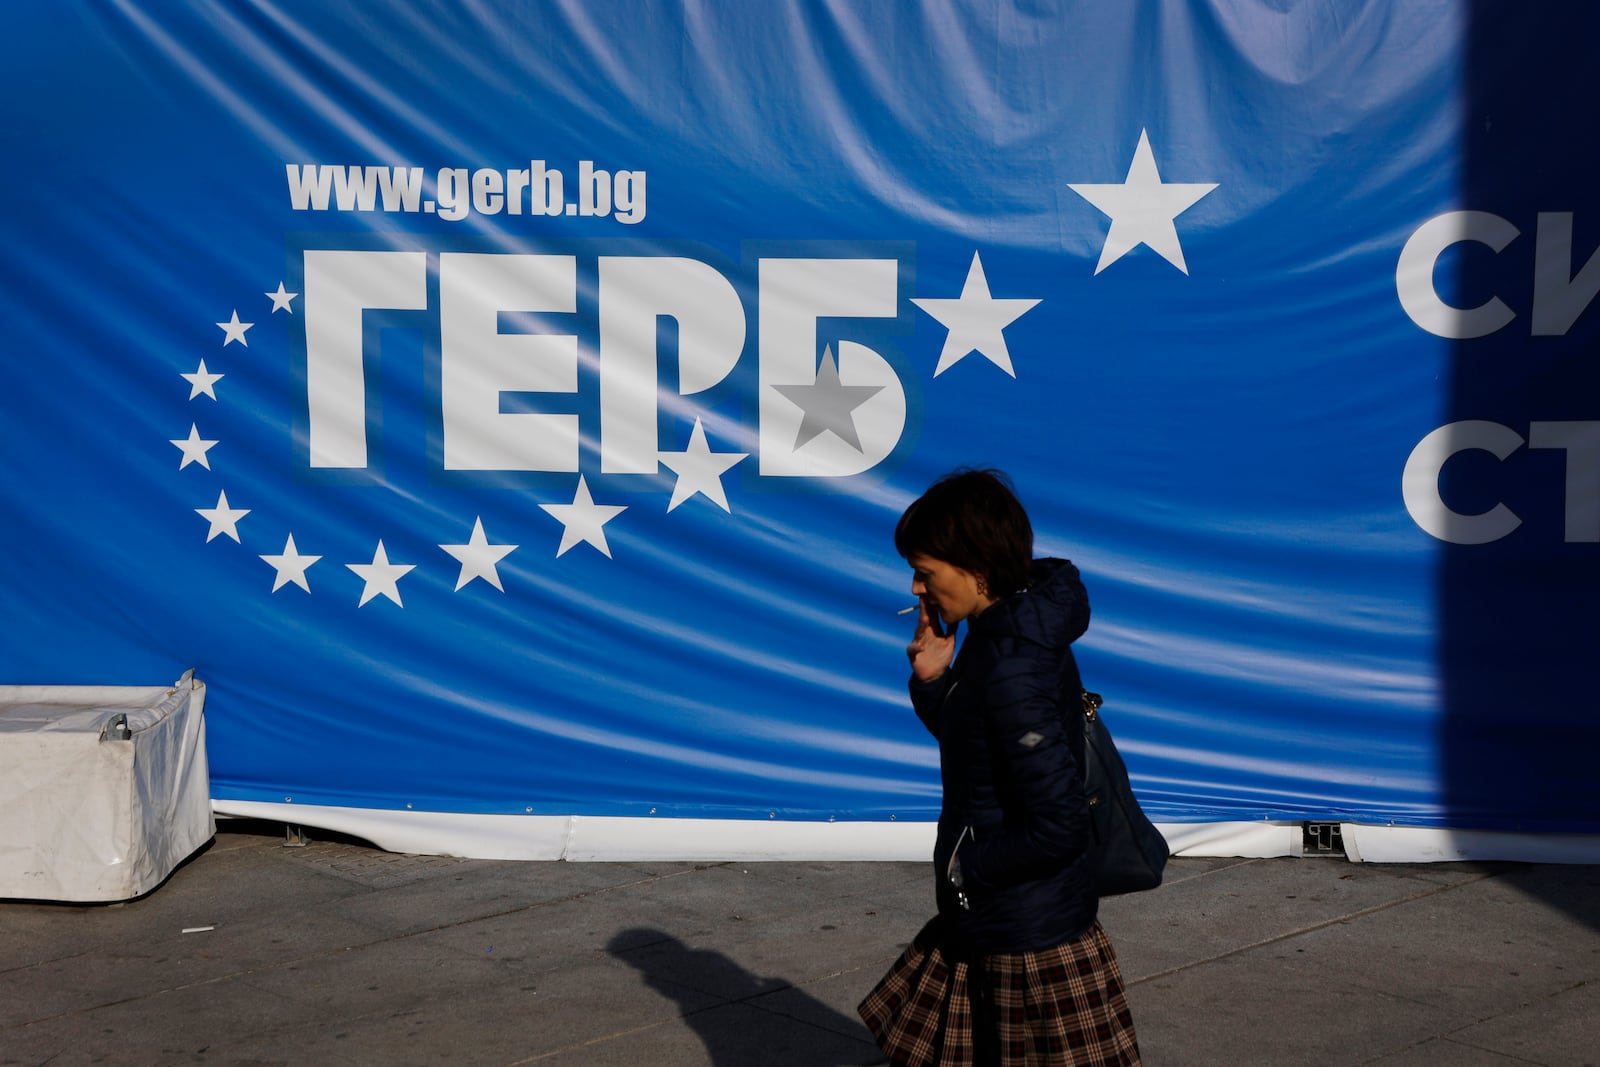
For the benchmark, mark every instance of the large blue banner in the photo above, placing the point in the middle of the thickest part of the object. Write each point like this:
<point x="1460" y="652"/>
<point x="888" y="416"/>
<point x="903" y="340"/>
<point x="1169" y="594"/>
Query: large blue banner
<point x="506" y="407"/>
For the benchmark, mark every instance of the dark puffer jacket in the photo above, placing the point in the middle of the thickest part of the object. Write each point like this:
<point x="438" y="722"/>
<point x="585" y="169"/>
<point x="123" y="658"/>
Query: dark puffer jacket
<point x="1009" y="719"/>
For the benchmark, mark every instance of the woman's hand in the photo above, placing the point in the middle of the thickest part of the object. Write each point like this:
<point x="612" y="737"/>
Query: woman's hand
<point x="932" y="647"/>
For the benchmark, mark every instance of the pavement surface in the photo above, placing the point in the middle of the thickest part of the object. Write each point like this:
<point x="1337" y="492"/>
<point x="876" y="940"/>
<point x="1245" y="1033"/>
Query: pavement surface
<point x="256" y="953"/>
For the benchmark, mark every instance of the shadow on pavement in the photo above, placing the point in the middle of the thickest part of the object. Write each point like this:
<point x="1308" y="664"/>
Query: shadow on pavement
<point x="740" y="1017"/>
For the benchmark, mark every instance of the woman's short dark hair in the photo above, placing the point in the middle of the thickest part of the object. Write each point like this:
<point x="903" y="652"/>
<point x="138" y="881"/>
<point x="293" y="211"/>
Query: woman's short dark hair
<point x="973" y="520"/>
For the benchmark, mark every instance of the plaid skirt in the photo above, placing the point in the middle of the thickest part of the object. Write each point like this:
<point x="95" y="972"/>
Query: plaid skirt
<point x="1057" y="1006"/>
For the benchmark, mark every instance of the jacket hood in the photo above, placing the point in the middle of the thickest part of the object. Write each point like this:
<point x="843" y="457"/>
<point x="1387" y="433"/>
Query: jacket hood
<point x="1052" y="610"/>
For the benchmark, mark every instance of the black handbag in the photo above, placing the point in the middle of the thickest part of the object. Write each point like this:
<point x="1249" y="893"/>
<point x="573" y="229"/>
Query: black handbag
<point x="1129" y="853"/>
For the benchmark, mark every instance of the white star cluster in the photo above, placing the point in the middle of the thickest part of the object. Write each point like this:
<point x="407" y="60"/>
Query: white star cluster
<point x="699" y="472"/>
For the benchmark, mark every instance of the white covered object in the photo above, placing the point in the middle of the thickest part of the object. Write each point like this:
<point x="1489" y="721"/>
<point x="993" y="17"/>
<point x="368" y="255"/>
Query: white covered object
<point x="91" y="812"/>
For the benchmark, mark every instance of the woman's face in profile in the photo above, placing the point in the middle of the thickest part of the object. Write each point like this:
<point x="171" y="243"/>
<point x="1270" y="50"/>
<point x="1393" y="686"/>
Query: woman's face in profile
<point x="946" y="589"/>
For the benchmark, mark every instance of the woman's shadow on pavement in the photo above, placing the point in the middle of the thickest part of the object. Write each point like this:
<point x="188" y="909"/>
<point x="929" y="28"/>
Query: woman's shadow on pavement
<point x="743" y="1018"/>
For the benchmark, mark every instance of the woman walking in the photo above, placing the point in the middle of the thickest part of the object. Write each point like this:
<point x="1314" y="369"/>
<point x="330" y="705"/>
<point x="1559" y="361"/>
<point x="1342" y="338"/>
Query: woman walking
<point x="1014" y="969"/>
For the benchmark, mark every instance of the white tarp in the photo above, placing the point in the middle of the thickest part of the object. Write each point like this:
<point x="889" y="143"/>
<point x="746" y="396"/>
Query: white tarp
<point x="578" y="837"/>
<point x="90" y="811"/>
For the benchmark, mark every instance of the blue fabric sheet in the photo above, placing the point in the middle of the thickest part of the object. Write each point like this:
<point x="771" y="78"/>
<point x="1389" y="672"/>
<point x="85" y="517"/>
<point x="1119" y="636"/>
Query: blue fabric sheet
<point x="507" y="407"/>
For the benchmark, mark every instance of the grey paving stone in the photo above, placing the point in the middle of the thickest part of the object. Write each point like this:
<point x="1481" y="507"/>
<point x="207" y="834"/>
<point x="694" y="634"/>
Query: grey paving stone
<point x="1444" y="1051"/>
<point x="1246" y="1010"/>
<point x="509" y="1020"/>
<point x="1193" y="918"/>
<point x="1563" y="1028"/>
<point x="157" y="1027"/>
<point x="733" y="1035"/>
<point x="149" y="961"/>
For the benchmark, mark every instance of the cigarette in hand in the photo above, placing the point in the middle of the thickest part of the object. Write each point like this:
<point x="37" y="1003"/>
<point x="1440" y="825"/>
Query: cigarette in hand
<point x="908" y="611"/>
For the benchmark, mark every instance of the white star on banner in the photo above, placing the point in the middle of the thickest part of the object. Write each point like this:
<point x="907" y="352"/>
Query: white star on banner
<point x="584" y="520"/>
<point x="280" y="300"/>
<point x="381" y="576"/>
<point x="194" y="449"/>
<point x="975" y="321"/>
<point x="700" y="470"/>
<point x="223" y="519"/>
<point x="1143" y="209"/>
<point x="233" y="330"/>
<point x="828" y="404"/>
<point x="201" y="381"/>
<point x="478" y="557"/>
<point x="291" y="566"/>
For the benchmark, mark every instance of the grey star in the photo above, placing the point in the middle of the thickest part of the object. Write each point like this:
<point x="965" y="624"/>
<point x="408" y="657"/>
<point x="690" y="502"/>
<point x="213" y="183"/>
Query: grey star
<point x="828" y="403"/>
